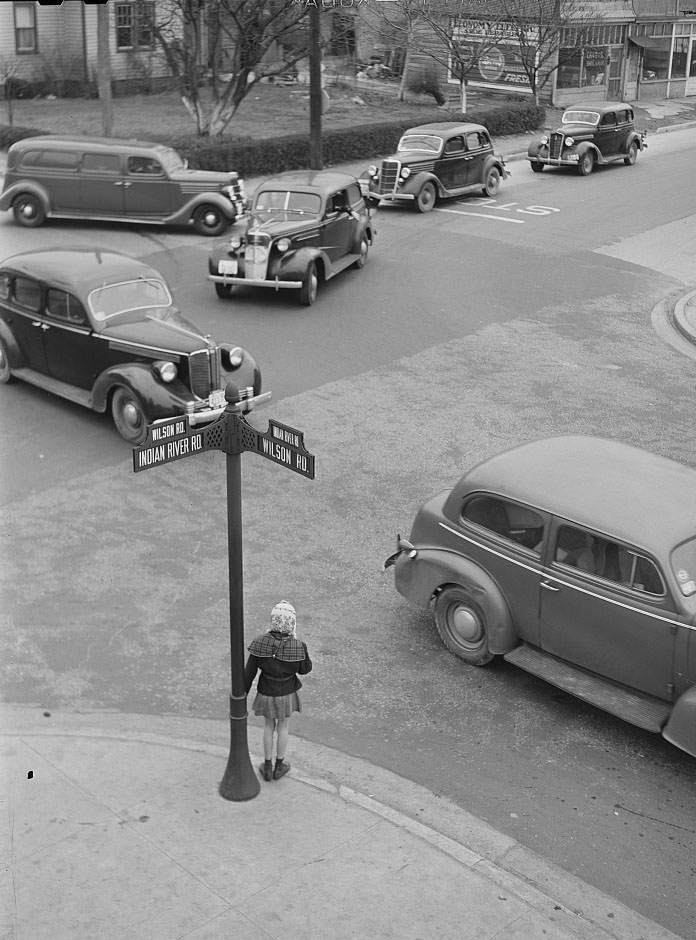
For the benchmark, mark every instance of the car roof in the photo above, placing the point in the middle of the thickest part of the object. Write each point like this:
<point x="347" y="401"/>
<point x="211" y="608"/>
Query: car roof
<point x="600" y="106"/>
<point x="313" y="180"/>
<point x="78" y="270"/>
<point x="625" y="491"/>
<point x="98" y="144"/>
<point x="444" y="128"/>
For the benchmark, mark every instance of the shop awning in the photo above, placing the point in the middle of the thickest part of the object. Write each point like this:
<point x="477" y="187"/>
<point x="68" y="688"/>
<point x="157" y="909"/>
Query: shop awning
<point x="662" y="43"/>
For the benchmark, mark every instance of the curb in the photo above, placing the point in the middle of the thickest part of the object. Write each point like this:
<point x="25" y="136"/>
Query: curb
<point x="681" y="319"/>
<point x="573" y="904"/>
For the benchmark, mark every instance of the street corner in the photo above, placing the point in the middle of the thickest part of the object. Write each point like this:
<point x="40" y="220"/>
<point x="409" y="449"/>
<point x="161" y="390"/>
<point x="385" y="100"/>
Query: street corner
<point x="683" y="315"/>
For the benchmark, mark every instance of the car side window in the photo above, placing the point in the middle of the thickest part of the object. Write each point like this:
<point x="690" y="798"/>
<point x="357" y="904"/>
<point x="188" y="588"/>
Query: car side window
<point x="337" y="203"/>
<point x="64" y="306"/>
<point x="27" y="293"/>
<point x="608" y="120"/>
<point x="473" y="141"/>
<point x="354" y="194"/>
<point x="101" y="163"/>
<point x="145" y="166"/>
<point x="4" y="286"/>
<point x="513" y="521"/>
<point x="607" y="559"/>
<point x="623" y="117"/>
<point x="455" y="145"/>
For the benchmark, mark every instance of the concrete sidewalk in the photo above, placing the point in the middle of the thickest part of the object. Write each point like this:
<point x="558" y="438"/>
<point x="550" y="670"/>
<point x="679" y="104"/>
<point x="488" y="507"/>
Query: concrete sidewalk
<point x="116" y="830"/>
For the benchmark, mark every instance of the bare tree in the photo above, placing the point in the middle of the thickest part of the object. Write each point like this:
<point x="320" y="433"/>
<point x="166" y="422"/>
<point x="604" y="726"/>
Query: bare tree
<point x="398" y="22"/>
<point x="8" y="71"/>
<point x="231" y="44"/>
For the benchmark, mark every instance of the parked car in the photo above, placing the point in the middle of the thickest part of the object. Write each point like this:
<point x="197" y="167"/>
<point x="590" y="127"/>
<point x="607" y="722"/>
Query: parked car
<point x="590" y="135"/>
<point x="304" y="228"/>
<point x="115" y="181"/>
<point x="101" y="329"/>
<point x="437" y="161"/>
<point x="575" y="559"/>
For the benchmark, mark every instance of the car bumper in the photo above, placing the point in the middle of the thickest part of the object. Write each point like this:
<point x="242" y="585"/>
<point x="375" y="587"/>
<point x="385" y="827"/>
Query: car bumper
<point x="253" y="281"/>
<point x="392" y="197"/>
<point x="571" y="159"/>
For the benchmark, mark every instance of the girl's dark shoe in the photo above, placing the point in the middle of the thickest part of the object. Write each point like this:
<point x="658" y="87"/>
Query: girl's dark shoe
<point x="281" y="768"/>
<point x="266" y="770"/>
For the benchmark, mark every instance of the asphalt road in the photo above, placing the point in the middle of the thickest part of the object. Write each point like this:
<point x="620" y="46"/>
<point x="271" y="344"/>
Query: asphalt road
<point x="478" y="326"/>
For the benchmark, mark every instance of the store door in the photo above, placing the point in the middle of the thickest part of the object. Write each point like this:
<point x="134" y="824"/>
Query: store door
<point x="614" y="92"/>
<point x="691" y="79"/>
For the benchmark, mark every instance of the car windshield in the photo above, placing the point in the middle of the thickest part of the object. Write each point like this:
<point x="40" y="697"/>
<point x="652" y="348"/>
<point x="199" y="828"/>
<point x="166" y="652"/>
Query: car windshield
<point x="141" y="294"/>
<point x="684" y="566"/>
<point x="429" y="143"/>
<point x="284" y="200"/>
<point x="580" y="117"/>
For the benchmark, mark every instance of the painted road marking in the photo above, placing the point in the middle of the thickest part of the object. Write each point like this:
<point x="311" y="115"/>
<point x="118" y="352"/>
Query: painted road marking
<point x="503" y="207"/>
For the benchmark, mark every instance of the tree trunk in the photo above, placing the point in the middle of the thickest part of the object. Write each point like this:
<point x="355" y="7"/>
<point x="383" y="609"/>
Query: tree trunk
<point x="462" y="88"/>
<point x="404" y="75"/>
<point x="104" y="71"/>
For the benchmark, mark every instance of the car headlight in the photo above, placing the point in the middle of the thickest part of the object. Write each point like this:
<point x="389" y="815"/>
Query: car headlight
<point x="165" y="370"/>
<point x="569" y="141"/>
<point x="544" y="140"/>
<point x="405" y="172"/>
<point x="231" y="357"/>
<point x="235" y="242"/>
<point x="372" y="170"/>
<point x="283" y="244"/>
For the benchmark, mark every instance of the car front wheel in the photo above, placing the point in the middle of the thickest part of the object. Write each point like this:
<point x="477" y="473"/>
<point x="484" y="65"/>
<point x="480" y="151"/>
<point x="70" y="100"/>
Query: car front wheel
<point x="425" y="200"/>
<point x="129" y="416"/>
<point x="310" y="283"/>
<point x="28" y="211"/>
<point x="461" y="623"/>
<point x="491" y="184"/>
<point x="536" y="166"/>
<point x="586" y="164"/>
<point x="209" y="220"/>
<point x="632" y="154"/>
<point x="5" y="372"/>
<point x="223" y="290"/>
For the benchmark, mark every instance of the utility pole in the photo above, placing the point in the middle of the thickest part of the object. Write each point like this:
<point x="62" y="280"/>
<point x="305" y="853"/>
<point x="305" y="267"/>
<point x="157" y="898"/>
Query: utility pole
<point x="315" y="89"/>
<point x="104" y="70"/>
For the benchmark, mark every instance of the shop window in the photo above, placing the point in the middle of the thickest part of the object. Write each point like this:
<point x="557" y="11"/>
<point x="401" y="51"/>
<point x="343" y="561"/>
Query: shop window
<point x="679" y="58"/>
<point x="26" y="39"/>
<point x="569" y="69"/>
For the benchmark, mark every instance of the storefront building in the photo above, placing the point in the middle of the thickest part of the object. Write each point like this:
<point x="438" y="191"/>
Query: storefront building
<point x="662" y="58"/>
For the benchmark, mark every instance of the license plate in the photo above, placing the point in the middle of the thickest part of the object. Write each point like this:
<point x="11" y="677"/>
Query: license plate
<point x="217" y="399"/>
<point x="227" y="267"/>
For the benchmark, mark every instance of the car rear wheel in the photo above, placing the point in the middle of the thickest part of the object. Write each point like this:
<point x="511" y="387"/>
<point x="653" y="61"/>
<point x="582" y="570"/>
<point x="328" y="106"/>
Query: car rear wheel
<point x="5" y="373"/>
<point x="425" y="200"/>
<point x="491" y="184"/>
<point x="632" y="154"/>
<point x="28" y="211"/>
<point x="310" y="284"/>
<point x="223" y="290"/>
<point x="586" y="164"/>
<point x="129" y="416"/>
<point x="461" y="623"/>
<point x="209" y="220"/>
<point x="364" y="249"/>
<point x="536" y="166"/>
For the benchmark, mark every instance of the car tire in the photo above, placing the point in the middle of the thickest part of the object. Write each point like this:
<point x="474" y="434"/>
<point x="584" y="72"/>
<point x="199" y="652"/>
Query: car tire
<point x="209" y="220"/>
<point x="223" y="290"/>
<point x="461" y="623"/>
<point x="586" y="163"/>
<point x="491" y="184"/>
<point x="129" y="415"/>
<point x="631" y="155"/>
<point x="28" y="211"/>
<point x="426" y="198"/>
<point x="5" y="370"/>
<point x="310" y="284"/>
<point x="364" y="250"/>
<point x="536" y="166"/>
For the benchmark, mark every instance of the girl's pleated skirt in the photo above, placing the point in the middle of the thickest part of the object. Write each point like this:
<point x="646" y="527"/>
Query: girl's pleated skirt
<point x="276" y="706"/>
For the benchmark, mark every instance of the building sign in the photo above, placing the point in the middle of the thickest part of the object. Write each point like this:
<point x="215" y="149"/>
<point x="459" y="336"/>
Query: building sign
<point x="491" y="55"/>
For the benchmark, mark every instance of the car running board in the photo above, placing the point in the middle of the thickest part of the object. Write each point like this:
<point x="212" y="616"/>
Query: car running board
<point x="342" y="264"/>
<point x="79" y="395"/>
<point x="640" y="710"/>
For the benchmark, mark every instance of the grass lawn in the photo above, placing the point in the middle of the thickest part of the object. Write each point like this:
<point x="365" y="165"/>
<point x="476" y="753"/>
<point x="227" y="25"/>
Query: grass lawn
<point x="268" y="111"/>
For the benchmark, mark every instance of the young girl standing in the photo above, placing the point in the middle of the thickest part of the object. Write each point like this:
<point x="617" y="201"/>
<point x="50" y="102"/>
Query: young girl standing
<point x="279" y="655"/>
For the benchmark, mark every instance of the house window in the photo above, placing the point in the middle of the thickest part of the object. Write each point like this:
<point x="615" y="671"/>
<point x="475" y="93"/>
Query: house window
<point x="25" y="28"/>
<point x="134" y="25"/>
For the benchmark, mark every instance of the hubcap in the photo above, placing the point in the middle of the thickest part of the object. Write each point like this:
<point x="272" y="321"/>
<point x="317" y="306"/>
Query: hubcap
<point x="131" y="415"/>
<point x="210" y="219"/>
<point x="465" y="625"/>
<point x="28" y="210"/>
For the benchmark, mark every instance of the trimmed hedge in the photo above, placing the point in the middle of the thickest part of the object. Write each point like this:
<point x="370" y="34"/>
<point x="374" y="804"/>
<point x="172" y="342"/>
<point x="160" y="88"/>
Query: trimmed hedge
<point x="364" y="141"/>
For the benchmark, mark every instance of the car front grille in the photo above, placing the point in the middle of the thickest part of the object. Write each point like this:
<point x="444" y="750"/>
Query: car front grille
<point x="555" y="146"/>
<point x="389" y="175"/>
<point x="261" y="239"/>
<point x="203" y="372"/>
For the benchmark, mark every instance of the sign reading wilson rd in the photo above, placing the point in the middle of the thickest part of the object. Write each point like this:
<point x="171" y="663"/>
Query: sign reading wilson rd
<point x="285" y="445"/>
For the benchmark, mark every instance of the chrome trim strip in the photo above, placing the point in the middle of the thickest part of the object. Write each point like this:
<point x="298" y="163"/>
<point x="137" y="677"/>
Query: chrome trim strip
<point x="568" y="584"/>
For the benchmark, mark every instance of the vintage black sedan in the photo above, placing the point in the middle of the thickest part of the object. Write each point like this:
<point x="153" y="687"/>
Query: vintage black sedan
<point x="101" y="329"/>
<point x="304" y="228"/>
<point x="437" y="161"/>
<point x="573" y="558"/>
<point x="589" y="136"/>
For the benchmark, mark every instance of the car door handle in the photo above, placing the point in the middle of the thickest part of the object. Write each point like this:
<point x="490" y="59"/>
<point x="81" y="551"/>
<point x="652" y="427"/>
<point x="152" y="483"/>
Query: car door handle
<point x="44" y="326"/>
<point x="118" y="183"/>
<point x="549" y="587"/>
<point x="127" y="184"/>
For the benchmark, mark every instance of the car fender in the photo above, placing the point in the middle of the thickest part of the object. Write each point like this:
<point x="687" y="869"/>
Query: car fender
<point x="493" y="161"/>
<point x="294" y="267"/>
<point x="680" y="729"/>
<point x="26" y="186"/>
<point x="586" y="145"/>
<point x="364" y="230"/>
<point x="637" y="138"/>
<point x="14" y="353"/>
<point x="535" y="148"/>
<point x="220" y="201"/>
<point x="159" y="399"/>
<point x="421" y="578"/>
<point x="415" y="183"/>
